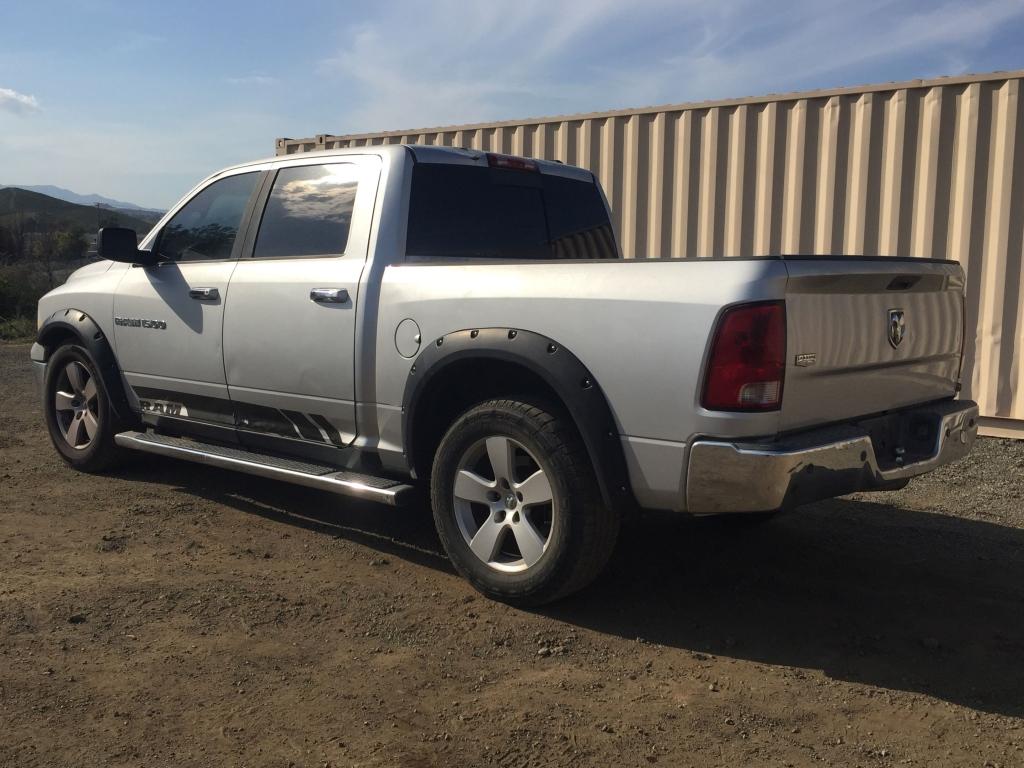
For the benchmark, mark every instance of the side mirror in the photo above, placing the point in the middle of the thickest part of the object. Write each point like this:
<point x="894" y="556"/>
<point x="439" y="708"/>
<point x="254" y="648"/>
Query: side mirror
<point x="120" y="244"/>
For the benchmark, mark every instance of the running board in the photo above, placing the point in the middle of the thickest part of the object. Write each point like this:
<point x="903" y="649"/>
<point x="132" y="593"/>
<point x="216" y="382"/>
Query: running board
<point x="326" y="478"/>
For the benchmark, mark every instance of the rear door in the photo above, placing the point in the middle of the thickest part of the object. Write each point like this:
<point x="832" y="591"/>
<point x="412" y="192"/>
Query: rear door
<point x="167" y="318"/>
<point x="290" y="319"/>
<point x="870" y="335"/>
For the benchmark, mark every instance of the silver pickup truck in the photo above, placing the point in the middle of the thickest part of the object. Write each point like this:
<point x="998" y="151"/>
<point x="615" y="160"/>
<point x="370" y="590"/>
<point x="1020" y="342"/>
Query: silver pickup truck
<point x="371" y="320"/>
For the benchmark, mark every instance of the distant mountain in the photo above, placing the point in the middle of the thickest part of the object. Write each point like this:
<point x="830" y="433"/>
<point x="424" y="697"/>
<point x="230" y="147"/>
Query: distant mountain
<point x="148" y="216"/>
<point x="50" y="211"/>
<point x="74" y="197"/>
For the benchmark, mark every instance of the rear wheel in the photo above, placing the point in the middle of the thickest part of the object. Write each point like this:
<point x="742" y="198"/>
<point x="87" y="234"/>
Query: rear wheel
<point x="80" y="420"/>
<point x="516" y="503"/>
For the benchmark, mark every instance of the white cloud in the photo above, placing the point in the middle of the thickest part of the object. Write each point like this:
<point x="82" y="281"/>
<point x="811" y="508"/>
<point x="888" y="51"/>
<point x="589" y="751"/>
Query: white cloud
<point x="460" y="62"/>
<point x="251" y="80"/>
<point x="828" y="42"/>
<point x="18" y="103"/>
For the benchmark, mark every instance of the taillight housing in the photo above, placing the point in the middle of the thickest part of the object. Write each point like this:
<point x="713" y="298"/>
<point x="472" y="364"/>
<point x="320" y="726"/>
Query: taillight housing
<point x="747" y="365"/>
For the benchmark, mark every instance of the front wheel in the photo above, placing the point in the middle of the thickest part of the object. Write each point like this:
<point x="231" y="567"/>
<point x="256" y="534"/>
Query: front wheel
<point x="79" y="418"/>
<point x="516" y="503"/>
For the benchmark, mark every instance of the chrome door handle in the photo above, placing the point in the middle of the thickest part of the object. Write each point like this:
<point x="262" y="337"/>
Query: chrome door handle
<point x="203" y="294"/>
<point x="328" y="295"/>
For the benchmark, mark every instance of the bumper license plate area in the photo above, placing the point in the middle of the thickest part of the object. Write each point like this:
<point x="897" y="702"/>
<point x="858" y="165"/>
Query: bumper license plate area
<point x="901" y="439"/>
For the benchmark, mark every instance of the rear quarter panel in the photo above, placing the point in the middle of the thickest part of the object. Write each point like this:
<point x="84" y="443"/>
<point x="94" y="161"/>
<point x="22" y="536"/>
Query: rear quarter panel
<point x="640" y="327"/>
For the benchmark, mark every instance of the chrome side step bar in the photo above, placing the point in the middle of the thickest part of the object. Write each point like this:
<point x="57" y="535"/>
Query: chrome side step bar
<point x="326" y="478"/>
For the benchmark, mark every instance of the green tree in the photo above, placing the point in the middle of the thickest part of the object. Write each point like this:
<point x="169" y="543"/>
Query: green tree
<point x="6" y="246"/>
<point x="44" y="253"/>
<point x="70" y="245"/>
<point x="21" y="286"/>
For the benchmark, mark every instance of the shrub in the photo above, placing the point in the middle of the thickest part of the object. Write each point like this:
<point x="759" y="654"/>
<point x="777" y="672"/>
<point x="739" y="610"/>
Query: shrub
<point x="18" y="329"/>
<point x="21" y="285"/>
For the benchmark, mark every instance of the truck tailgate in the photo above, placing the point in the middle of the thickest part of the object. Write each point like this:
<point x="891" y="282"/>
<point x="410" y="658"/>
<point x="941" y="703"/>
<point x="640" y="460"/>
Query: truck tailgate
<point x="869" y="335"/>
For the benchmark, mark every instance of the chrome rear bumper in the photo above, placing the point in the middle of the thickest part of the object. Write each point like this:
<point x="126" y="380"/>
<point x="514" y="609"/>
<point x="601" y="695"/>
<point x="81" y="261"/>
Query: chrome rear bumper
<point x="874" y="454"/>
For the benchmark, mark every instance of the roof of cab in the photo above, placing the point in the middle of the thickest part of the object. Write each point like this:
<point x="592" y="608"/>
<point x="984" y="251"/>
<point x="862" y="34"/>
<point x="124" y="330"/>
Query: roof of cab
<point x="421" y="153"/>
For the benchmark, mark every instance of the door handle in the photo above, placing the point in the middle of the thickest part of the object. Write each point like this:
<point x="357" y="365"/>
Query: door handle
<point x="329" y="295"/>
<point x="204" y="294"/>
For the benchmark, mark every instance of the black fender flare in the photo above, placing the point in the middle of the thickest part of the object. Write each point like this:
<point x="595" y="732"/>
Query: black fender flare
<point x="558" y="367"/>
<point x="80" y="326"/>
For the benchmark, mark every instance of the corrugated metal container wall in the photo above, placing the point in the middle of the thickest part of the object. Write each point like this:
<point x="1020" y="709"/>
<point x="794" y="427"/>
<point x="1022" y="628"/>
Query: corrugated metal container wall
<point x="927" y="168"/>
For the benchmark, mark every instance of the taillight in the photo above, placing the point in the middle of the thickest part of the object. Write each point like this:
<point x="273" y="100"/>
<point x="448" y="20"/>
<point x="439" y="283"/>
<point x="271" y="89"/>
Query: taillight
<point x="511" y="162"/>
<point x="748" y="359"/>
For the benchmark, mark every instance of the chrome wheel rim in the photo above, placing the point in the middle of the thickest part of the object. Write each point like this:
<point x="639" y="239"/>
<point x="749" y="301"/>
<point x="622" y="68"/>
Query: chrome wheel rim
<point x="76" y="405"/>
<point x="504" y="504"/>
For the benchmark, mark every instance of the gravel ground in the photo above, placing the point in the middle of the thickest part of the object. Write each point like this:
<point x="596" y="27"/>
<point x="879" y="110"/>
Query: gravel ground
<point x="175" y="615"/>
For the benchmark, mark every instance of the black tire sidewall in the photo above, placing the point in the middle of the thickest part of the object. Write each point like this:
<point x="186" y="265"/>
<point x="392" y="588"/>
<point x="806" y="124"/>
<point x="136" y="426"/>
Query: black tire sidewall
<point x="490" y="420"/>
<point x="98" y="453"/>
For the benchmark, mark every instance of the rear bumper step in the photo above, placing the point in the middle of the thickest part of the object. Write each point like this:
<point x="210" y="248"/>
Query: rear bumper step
<point x="323" y="477"/>
<point x="875" y="454"/>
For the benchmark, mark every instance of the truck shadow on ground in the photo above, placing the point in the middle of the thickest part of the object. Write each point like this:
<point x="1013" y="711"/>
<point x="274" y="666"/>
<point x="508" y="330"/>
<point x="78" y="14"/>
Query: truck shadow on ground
<point x="865" y="592"/>
<point x="868" y="593"/>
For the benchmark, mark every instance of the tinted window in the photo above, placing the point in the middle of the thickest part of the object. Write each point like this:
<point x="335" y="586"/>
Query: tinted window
<point x="468" y="211"/>
<point x="208" y="224"/>
<point x="309" y="211"/>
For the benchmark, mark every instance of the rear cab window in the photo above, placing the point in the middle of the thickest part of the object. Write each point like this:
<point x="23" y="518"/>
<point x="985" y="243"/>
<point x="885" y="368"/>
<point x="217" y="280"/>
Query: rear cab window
<point x="476" y="212"/>
<point x="309" y="212"/>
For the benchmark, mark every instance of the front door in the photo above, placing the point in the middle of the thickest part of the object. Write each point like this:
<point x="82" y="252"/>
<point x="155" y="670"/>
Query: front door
<point x="290" y="319"/>
<point x="168" y="318"/>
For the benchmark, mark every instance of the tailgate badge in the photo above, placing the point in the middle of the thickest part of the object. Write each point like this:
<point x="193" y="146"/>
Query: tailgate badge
<point x="806" y="359"/>
<point x="897" y="327"/>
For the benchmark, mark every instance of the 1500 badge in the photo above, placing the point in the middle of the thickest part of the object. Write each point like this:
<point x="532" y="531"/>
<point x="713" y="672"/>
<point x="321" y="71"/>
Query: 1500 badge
<point x="135" y="322"/>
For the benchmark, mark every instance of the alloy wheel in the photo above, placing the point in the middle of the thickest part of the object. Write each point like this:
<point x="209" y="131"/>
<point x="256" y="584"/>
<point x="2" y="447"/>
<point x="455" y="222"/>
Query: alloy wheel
<point x="504" y="504"/>
<point x="76" y="405"/>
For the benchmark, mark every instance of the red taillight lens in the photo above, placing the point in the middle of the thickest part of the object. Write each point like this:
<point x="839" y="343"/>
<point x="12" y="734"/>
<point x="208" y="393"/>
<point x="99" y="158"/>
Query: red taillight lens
<point x="511" y="162"/>
<point x="748" y="359"/>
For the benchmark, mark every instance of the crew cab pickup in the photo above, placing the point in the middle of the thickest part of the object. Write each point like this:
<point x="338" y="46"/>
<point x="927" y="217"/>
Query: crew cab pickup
<point x="370" y="320"/>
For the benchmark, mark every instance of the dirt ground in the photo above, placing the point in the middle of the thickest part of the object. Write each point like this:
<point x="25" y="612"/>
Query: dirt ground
<point x="175" y="615"/>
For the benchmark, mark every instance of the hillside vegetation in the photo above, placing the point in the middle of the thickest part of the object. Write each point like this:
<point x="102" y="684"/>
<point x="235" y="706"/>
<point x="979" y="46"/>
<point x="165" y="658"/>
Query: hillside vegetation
<point x="42" y="239"/>
<point x="91" y="199"/>
<point x="50" y="212"/>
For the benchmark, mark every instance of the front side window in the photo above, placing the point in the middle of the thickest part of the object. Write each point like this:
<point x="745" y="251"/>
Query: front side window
<point x="309" y="212"/>
<point x="206" y="227"/>
<point x="464" y="211"/>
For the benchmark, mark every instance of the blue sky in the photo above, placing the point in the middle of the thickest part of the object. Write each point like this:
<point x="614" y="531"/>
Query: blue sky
<point x="139" y="100"/>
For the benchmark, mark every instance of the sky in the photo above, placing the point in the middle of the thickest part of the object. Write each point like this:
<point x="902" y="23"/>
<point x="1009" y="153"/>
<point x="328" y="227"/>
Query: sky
<point x="140" y="100"/>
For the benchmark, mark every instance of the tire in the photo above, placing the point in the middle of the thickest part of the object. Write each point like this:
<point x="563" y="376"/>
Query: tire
<point x="79" y="418"/>
<point x="533" y="531"/>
